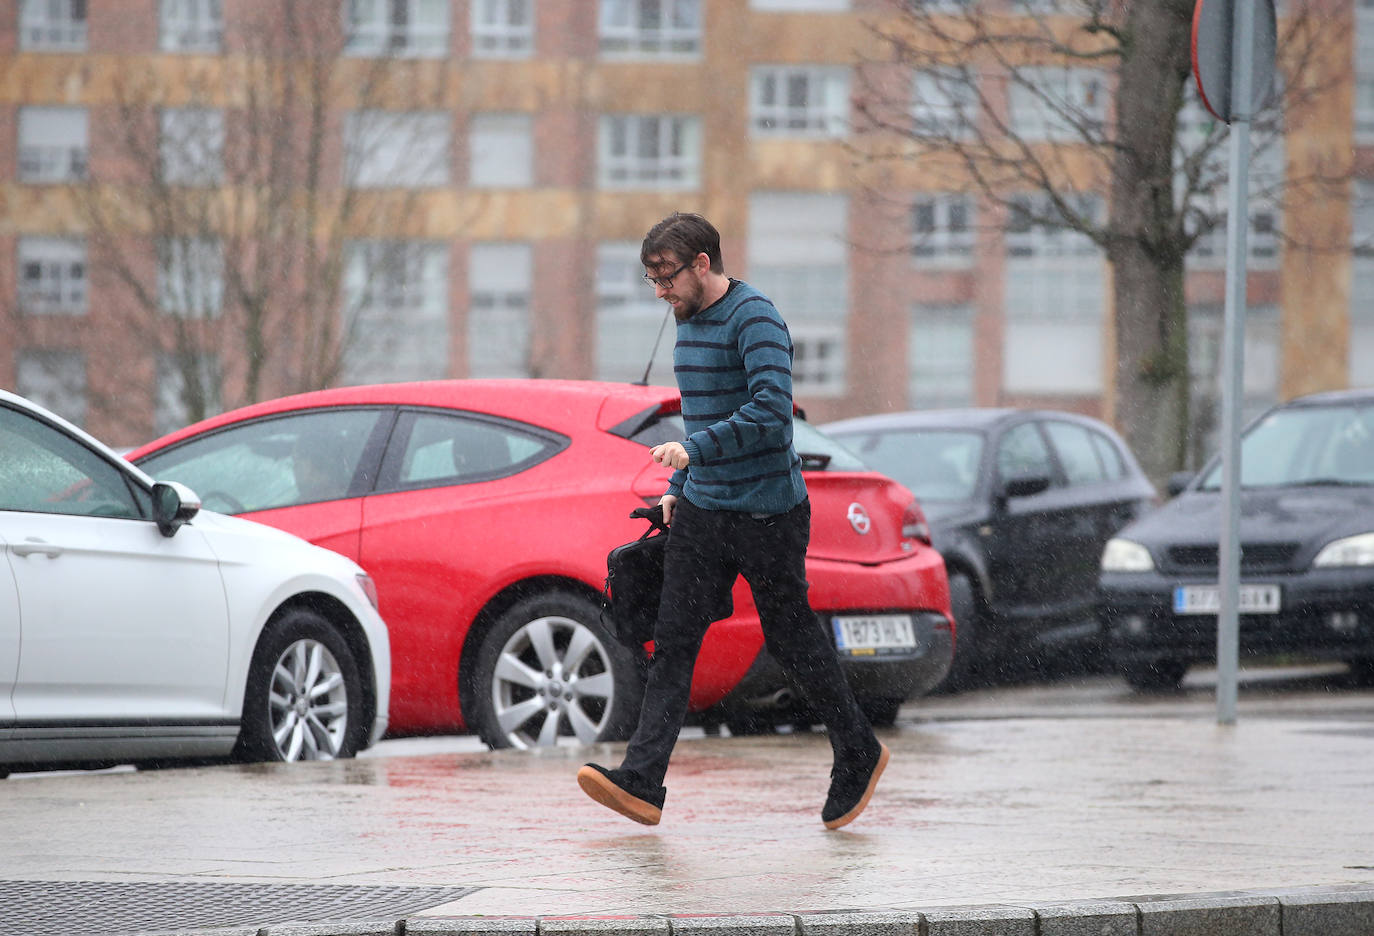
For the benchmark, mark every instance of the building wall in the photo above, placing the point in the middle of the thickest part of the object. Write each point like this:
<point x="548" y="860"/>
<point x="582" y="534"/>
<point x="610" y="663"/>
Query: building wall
<point x="565" y="86"/>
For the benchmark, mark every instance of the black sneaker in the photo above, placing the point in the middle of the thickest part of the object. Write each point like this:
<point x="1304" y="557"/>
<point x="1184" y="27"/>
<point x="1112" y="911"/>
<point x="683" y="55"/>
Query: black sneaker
<point x="622" y="791"/>
<point x="851" y="784"/>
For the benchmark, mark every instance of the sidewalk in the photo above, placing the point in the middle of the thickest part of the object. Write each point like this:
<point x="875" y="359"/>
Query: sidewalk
<point x="997" y="814"/>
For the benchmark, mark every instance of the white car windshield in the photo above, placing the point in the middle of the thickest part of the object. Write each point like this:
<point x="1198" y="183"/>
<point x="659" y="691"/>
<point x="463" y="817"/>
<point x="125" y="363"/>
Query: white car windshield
<point x="935" y="464"/>
<point x="1306" y="446"/>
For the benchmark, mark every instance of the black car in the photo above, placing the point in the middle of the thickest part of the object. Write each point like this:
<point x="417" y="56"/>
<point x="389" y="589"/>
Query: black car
<point x="1020" y="504"/>
<point x="1306" y="531"/>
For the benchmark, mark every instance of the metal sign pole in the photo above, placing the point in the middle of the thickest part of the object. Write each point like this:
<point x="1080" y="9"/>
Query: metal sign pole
<point x="1233" y="369"/>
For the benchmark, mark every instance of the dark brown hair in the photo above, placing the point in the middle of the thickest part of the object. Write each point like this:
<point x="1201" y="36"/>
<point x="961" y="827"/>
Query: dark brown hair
<point x="683" y="235"/>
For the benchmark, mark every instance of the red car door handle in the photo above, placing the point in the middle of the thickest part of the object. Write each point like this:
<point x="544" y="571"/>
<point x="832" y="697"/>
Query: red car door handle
<point x="33" y="545"/>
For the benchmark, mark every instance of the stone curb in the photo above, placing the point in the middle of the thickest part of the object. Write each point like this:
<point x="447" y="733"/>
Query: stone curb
<point x="1325" y="911"/>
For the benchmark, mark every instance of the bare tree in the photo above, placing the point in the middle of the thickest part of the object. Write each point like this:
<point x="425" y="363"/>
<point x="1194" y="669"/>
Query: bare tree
<point x="266" y="194"/>
<point x="1075" y="115"/>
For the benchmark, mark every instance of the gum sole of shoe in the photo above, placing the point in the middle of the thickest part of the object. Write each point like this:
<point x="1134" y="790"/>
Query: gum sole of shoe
<point x="853" y="814"/>
<point x="596" y="785"/>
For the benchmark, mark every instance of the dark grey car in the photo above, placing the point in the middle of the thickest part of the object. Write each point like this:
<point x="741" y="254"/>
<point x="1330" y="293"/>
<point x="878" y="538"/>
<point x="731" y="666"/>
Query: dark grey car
<point x="1020" y="504"/>
<point x="1307" y="551"/>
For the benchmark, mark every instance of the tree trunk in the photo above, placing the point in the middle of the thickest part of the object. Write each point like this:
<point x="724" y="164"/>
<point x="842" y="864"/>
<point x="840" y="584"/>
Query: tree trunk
<point x="1146" y="244"/>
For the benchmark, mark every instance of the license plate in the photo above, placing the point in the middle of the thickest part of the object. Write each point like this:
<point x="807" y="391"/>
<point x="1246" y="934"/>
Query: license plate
<point x="874" y="634"/>
<point x="1206" y="599"/>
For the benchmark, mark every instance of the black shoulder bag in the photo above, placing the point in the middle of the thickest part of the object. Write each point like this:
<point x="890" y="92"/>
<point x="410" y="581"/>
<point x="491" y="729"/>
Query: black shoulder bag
<point x="634" y="581"/>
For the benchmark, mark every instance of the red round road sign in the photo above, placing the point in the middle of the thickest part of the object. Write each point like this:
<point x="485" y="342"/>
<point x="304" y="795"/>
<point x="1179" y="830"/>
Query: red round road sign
<point x="1214" y="25"/>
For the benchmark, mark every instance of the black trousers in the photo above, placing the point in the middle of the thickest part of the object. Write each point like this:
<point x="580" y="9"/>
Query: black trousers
<point x="706" y="551"/>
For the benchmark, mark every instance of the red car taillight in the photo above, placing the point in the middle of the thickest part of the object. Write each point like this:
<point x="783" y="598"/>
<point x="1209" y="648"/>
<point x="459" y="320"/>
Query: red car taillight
<point x="914" y="524"/>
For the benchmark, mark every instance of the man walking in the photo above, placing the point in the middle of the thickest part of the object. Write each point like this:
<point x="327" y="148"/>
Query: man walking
<point x="737" y="505"/>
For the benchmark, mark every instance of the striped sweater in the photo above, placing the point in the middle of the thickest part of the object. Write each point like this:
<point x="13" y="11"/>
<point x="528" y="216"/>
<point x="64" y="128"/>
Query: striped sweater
<point x="733" y="362"/>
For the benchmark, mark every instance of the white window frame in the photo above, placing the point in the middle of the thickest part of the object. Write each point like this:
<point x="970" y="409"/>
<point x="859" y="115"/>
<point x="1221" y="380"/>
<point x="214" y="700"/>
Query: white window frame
<point x="675" y="163"/>
<point x="500" y="150"/>
<point x="397" y="149"/>
<point x="498" y="30"/>
<point x="622" y="33"/>
<point x="60" y="287"/>
<point x="934" y="360"/>
<point x="1050" y="103"/>
<point x="190" y="277"/>
<point x="395" y="310"/>
<point x="800" y="6"/>
<point x="1364" y="74"/>
<point x="191" y="25"/>
<point x="52" y="25"/>
<point x="500" y="281"/>
<point x="169" y="411"/>
<point x="54" y="145"/>
<point x="628" y="319"/>
<point x="55" y="379"/>
<point x="371" y="30"/>
<point x="942" y="244"/>
<point x="818" y="358"/>
<point x="944" y="103"/>
<point x="191" y="145"/>
<point x="823" y="108"/>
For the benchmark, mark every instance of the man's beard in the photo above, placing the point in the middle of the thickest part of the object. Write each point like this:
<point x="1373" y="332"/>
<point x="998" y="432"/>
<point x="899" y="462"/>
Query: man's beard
<point x="686" y="312"/>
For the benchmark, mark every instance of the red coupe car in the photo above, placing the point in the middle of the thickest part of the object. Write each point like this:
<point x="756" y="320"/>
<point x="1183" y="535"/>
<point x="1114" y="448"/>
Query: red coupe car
<point x="484" y="510"/>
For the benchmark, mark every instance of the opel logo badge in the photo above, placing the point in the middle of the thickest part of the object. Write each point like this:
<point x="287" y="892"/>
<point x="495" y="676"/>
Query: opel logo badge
<point x="858" y="518"/>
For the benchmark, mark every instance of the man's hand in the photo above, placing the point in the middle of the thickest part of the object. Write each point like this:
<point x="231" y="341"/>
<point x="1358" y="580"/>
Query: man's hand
<point x="671" y="454"/>
<point x="667" y="502"/>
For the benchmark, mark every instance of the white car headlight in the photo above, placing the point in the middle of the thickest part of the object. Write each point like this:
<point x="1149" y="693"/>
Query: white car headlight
<point x="1123" y="555"/>
<point x="1350" y="551"/>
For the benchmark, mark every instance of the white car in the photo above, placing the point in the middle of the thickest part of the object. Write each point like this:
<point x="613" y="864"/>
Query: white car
<point x="136" y="628"/>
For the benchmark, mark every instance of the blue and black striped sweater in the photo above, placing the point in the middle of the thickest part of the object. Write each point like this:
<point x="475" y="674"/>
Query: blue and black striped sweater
<point x="733" y="362"/>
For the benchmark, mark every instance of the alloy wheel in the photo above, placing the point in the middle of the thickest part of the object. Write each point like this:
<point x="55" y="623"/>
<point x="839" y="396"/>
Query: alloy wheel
<point x="308" y="703"/>
<point x="553" y="678"/>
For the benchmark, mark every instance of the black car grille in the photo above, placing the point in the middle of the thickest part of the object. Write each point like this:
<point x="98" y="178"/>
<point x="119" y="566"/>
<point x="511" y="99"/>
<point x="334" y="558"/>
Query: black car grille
<point x="1254" y="557"/>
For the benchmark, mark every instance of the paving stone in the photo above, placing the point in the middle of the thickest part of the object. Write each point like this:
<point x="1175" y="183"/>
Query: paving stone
<point x="766" y="924"/>
<point x="1211" y="916"/>
<point x="1088" y="918"/>
<point x="471" y="926"/>
<point x="1328" y="914"/>
<point x="860" y="923"/>
<point x="994" y="920"/>
<point x="604" y="926"/>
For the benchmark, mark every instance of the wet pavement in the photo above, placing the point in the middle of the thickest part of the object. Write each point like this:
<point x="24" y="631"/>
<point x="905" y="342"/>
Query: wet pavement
<point x="970" y="811"/>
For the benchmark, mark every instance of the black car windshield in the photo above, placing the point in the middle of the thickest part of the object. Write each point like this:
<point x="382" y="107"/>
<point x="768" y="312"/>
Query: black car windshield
<point x="1306" y="445"/>
<point x="936" y="464"/>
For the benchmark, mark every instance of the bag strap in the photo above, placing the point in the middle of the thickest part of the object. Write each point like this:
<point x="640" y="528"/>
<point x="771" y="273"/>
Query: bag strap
<point x="654" y="515"/>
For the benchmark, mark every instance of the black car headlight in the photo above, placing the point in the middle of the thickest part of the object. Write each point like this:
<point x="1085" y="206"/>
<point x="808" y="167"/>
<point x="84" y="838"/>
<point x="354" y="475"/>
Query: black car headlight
<point x="1355" y="550"/>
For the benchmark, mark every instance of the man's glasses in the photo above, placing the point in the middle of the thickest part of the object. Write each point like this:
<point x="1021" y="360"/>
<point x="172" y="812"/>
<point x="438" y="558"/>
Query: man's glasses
<point x="665" y="282"/>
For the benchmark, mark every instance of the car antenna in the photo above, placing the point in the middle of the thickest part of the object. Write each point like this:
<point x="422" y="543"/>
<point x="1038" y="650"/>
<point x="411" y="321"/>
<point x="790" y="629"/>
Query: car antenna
<point x="644" y="381"/>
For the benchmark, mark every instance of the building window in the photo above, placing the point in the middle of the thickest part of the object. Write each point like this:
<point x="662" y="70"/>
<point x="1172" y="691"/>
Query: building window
<point x="192" y="146"/>
<point x="1364" y="74"/>
<point x="1260" y="382"/>
<point x="192" y="25"/>
<point x="403" y="28"/>
<point x="1055" y="301"/>
<point x="53" y="144"/>
<point x="1361" y="350"/>
<point x="798" y="257"/>
<point x="52" y="276"/>
<point x="499" y="310"/>
<point x="628" y="319"/>
<point x="188" y="389"/>
<point x="396" y="323"/>
<point x="190" y="277"/>
<point x="1057" y="104"/>
<point x="650" y="27"/>
<point x="795" y="100"/>
<point x="942" y="230"/>
<point x="52" y="25"/>
<point x="55" y="380"/>
<point x="502" y="28"/>
<point x="944" y="104"/>
<point x="940" y="356"/>
<point x="649" y="151"/>
<point x="391" y="149"/>
<point x="501" y="150"/>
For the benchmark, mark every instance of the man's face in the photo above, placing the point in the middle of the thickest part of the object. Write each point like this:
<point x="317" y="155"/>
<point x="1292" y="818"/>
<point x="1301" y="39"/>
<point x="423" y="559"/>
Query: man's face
<point x="685" y="289"/>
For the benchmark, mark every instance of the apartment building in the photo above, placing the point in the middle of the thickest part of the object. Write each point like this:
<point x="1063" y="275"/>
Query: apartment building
<point x="549" y="136"/>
